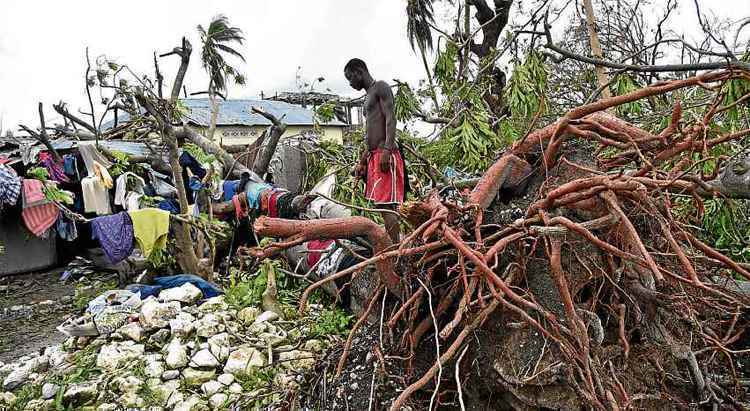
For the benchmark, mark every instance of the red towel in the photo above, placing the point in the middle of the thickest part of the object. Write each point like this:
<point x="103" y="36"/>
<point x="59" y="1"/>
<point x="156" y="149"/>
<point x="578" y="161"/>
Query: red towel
<point x="38" y="213"/>
<point x="385" y="187"/>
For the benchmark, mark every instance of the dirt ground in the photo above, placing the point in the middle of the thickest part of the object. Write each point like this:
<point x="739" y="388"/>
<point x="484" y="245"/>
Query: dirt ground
<point x="31" y="307"/>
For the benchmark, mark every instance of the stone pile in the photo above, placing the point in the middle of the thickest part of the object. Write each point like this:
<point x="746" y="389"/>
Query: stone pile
<point x="173" y="355"/>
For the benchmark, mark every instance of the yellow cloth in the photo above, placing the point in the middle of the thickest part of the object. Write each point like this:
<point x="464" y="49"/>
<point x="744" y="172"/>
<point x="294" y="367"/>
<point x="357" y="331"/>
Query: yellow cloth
<point x="101" y="172"/>
<point x="150" y="228"/>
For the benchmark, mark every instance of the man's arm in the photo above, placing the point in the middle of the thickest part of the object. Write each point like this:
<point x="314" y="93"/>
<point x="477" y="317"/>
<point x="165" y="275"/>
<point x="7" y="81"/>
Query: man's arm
<point x="386" y="105"/>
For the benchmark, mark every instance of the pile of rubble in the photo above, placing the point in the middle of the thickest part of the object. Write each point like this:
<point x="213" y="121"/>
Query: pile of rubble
<point x="172" y="353"/>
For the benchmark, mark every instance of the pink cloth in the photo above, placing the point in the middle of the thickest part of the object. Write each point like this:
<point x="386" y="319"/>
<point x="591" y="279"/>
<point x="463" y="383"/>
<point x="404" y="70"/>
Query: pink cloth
<point x="38" y="213"/>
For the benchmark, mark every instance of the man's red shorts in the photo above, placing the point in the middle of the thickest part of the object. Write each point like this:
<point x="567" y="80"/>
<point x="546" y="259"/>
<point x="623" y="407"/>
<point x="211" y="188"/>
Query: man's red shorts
<point x="385" y="187"/>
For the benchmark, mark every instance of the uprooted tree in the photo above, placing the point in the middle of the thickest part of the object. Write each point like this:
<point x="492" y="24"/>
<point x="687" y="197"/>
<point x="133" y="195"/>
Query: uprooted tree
<point x="571" y="272"/>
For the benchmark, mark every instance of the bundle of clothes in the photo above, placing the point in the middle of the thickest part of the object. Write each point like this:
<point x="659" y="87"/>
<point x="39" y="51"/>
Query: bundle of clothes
<point x="115" y="308"/>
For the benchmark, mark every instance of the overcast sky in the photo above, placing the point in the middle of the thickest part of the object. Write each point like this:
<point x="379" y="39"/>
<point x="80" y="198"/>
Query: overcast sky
<point x="42" y="43"/>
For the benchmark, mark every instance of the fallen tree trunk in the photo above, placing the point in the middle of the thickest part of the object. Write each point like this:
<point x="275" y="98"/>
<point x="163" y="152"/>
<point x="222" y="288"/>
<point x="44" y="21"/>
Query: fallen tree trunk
<point x="295" y="232"/>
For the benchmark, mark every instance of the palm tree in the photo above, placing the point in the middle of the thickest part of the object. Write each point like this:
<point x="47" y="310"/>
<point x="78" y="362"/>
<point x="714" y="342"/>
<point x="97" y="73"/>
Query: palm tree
<point x="217" y="40"/>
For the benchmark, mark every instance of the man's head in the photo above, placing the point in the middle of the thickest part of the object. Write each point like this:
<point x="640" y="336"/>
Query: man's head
<point x="356" y="72"/>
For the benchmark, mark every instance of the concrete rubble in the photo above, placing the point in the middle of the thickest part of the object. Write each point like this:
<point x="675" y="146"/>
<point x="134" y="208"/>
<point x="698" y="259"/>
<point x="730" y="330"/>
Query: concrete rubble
<point x="172" y="354"/>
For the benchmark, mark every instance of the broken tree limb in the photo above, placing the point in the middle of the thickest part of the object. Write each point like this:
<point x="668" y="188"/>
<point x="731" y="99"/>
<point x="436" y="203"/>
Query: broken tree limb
<point x="62" y="110"/>
<point x="260" y="165"/>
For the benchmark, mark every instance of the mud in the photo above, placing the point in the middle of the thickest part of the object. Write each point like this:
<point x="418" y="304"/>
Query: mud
<point x="33" y="305"/>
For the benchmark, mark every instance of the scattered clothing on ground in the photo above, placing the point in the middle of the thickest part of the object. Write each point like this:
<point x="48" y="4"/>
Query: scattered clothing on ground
<point x="208" y="289"/>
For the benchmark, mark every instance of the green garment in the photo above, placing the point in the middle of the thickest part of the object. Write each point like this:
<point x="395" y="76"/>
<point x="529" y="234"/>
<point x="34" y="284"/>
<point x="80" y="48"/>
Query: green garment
<point x="150" y="228"/>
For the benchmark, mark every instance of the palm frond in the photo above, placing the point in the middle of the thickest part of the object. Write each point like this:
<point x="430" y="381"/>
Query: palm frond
<point x="420" y="16"/>
<point x="216" y="45"/>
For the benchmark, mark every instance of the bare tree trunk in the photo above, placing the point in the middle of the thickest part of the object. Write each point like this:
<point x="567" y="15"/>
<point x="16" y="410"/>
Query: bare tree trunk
<point x="184" y="53"/>
<point x="214" y="112"/>
<point x="596" y="49"/>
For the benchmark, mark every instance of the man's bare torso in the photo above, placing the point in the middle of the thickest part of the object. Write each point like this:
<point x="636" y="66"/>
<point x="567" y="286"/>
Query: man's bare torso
<point x="375" y="126"/>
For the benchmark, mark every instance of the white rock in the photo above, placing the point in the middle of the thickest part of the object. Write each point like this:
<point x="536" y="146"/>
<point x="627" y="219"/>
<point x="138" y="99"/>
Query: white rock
<point x="208" y="325"/>
<point x="170" y="375"/>
<point x="212" y="387"/>
<point x="7" y="398"/>
<point x="314" y="346"/>
<point x="157" y="315"/>
<point x="243" y="359"/>
<point x="115" y="355"/>
<point x="16" y="378"/>
<point x="297" y="360"/>
<point x="217" y="400"/>
<point x="176" y="354"/>
<point x="154" y="366"/>
<point x="129" y="384"/>
<point x="56" y="355"/>
<point x="213" y="304"/>
<point x="164" y="390"/>
<point x="78" y="394"/>
<point x="235" y="388"/>
<point x="49" y="390"/>
<point x="186" y="293"/>
<point x="248" y="314"/>
<point x="23" y="370"/>
<point x="176" y="398"/>
<point x="219" y="346"/>
<point x="134" y="331"/>
<point x="182" y="325"/>
<point x="131" y="400"/>
<point x="267" y="316"/>
<point x="204" y="359"/>
<point x="271" y="339"/>
<point x="107" y="407"/>
<point x="226" y="379"/>
<point x="286" y="381"/>
<point x="193" y="403"/>
<point x="194" y="378"/>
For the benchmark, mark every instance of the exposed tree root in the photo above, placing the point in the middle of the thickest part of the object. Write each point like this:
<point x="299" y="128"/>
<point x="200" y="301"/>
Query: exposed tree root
<point x="599" y="273"/>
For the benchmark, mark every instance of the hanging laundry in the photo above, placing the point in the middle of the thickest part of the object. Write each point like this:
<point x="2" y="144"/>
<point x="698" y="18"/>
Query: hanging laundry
<point x="39" y="214"/>
<point x="126" y="183"/>
<point x="54" y="169"/>
<point x="89" y="154"/>
<point x="115" y="235"/>
<point x="253" y="193"/>
<point x="10" y="186"/>
<point x="132" y="201"/>
<point x="103" y="175"/>
<point x="150" y="228"/>
<point x="161" y="187"/>
<point x="95" y="196"/>
<point x="229" y="188"/>
<point x="70" y="167"/>
<point x="66" y="228"/>
<point x="170" y="205"/>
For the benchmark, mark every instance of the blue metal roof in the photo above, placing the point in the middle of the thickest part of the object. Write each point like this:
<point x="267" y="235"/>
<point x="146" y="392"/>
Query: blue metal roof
<point x="239" y="113"/>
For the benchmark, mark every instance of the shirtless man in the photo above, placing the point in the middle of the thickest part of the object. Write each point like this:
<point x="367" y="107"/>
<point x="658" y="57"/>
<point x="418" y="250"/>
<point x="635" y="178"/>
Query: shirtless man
<point x="381" y="165"/>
